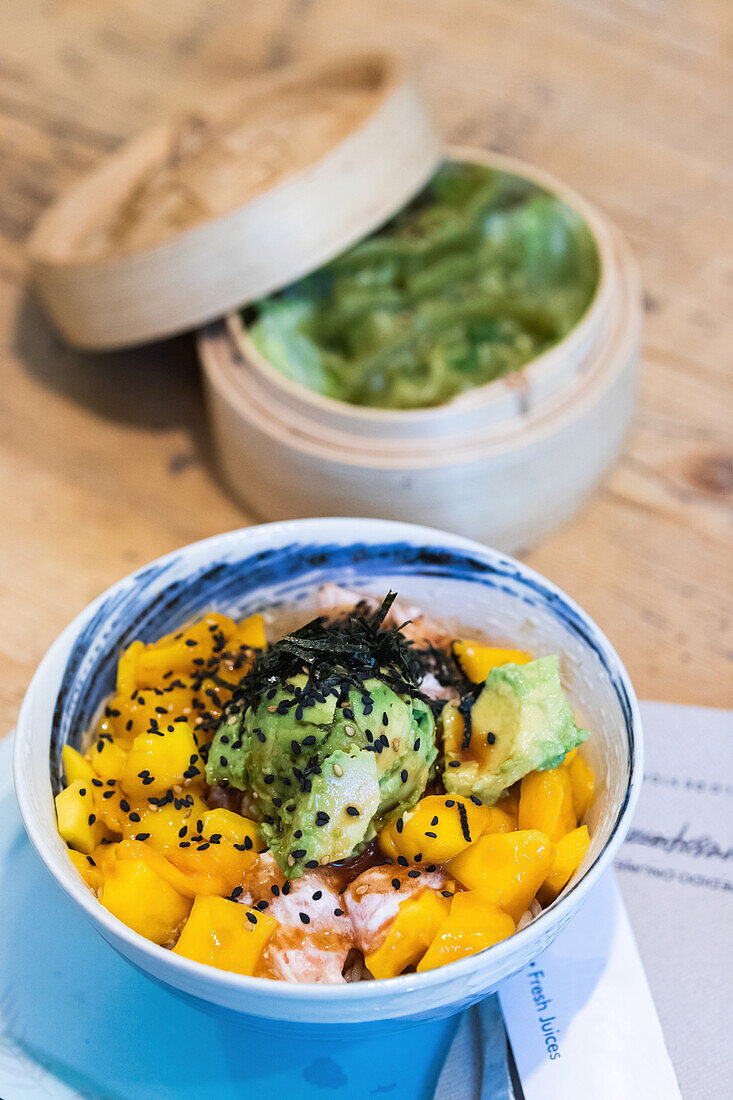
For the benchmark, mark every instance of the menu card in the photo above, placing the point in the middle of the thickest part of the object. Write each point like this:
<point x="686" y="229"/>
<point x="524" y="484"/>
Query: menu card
<point x="581" y="1019"/>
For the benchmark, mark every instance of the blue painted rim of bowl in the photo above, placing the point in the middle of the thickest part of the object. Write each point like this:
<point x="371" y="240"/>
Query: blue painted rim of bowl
<point x="461" y="559"/>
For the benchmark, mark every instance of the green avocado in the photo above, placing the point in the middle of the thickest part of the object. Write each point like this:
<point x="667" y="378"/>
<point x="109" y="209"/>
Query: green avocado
<point x="328" y="773"/>
<point x="522" y="712"/>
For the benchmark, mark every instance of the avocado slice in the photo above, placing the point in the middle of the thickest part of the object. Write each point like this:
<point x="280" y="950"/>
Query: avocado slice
<point x="520" y="722"/>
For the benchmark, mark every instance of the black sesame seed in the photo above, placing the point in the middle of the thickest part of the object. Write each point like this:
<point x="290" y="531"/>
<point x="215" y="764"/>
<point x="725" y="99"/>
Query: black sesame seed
<point x="403" y="775"/>
<point x="286" y="888"/>
<point x="416" y="746"/>
<point x="275" y="890"/>
<point x="251" y="918"/>
<point x="92" y="818"/>
<point x="463" y="815"/>
<point x="385" y="719"/>
<point x="454" y="763"/>
<point x="304" y="918"/>
<point x="446" y="893"/>
<point x="124" y="805"/>
<point x="476" y="801"/>
<point x="223" y="761"/>
<point x="142" y="836"/>
<point x="402" y="861"/>
<point x="298" y="834"/>
<point x="338" y="912"/>
<point x="269" y="779"/>
<point x="318" y="895"/>
<point x="400" y="825"/>
<point x="134" y="816"/>
<point x="414" y="873"/>
<point x="312" y="863"/>
<point x="450" y="803"/>
<point x="352" y="811"/>
<point x="183" y="831"/>
<point x="396" y="883"/>
<point x="97" y="783"/>
<point x="322" y="818"/>
<point x="203" y="847"/>
<point x="433" y="836"/>
<point x="298" y="853"/>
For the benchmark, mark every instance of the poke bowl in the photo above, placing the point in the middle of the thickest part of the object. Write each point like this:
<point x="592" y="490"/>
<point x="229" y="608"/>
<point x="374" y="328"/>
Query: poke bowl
<point x="320" y="584"/>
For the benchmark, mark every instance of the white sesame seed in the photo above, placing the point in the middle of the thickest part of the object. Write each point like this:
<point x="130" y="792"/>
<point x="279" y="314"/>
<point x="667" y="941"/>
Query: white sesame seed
<point x="232" y="721"/>
<point x="338" y="770"/>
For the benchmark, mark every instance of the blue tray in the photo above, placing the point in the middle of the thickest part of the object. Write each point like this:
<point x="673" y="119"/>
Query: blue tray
<point x="77" y="1021"/>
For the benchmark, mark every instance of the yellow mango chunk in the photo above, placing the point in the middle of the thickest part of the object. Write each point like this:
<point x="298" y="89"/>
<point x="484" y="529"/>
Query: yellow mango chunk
<point x="507" y="869"/>
<point x="437" y="829"/>
<point x="233" y="826"/>
<point x="570" y="756"/>
<point x="107" y="756"/>
<point x="103" y="855"/>
<point x="136" y="849"/>
<point x="225" y="934"/>
<point x="143" y="900"/>
<point x="215" y="862"/>
<point x="477" y="659"/>
<point x="471" y="926"/>
<point x="76" y="766"/>
<point x="167" y="825"/>
<point x="127" y="669"/>
<point x="569" y="854"/>
<point x="499" y="821"/>
<point x="159" y="760"/>
<point x="410" y="934"/>
<point x="143" y="710"/>
<point x="88" y="870"/>
<point x="76" y="816"/>
<point x="249" y="633"/>
<point x="583" y="784"/>
<point x="546" y="803"/>
<point x="183" y="652"/>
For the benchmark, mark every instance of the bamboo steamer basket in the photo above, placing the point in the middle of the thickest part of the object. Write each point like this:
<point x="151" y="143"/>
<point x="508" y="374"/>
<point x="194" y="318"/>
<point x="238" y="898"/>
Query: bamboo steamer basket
<point x="266" y="181"/>
<point x="504" y="463"/>
<point x="258" y="185"/>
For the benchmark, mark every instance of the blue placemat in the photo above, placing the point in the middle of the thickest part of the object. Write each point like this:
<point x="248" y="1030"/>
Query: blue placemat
<point x="76" y="1020"/>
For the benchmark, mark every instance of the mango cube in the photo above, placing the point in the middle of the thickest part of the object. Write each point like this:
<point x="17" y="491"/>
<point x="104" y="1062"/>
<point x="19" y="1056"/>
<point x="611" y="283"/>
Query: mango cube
<point x="232" y="826"/>
<point x="506" y="869"/>
<point x="546" y="803"/>
<point x="143" y="900"/>
<point x="76" y="816"/>
<point x="410" y="934"/>
<point x="158" y="760"/>
<point x="477" y="659"/>
<point x="569" y="854"/>
<point x="76" y="766"/>
<point x="437" y="829"/>
<point x="250" y="633"/>
<point x="167" y="825"/>
<point x="179" y="653"/>
<point x="583" y="785"/>
<point x="471" y="926"/>
<point x="88" y="869"/>
<point x="107" y="756"/>
<point x="225" y="934"/>
<point x="127" y="669"/>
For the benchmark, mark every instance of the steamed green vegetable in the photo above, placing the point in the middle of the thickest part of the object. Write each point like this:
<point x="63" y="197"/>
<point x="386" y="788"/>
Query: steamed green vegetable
<point x="478" y="275"/>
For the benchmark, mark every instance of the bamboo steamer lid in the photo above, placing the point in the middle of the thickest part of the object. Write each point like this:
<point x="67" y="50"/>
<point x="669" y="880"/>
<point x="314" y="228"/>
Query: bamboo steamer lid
<point x="262" y="183"/>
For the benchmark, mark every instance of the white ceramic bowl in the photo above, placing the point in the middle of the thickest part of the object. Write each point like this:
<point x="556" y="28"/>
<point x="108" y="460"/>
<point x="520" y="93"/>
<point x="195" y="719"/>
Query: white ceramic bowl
<point x="462" y="583"/>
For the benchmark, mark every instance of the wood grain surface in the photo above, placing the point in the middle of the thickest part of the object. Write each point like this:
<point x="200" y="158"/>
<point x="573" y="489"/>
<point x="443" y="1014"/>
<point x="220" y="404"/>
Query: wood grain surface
<point x="105" y="461"/>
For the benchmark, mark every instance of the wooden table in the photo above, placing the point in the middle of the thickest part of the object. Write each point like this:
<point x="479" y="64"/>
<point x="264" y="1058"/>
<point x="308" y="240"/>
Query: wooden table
<point x="105" y="461"/>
